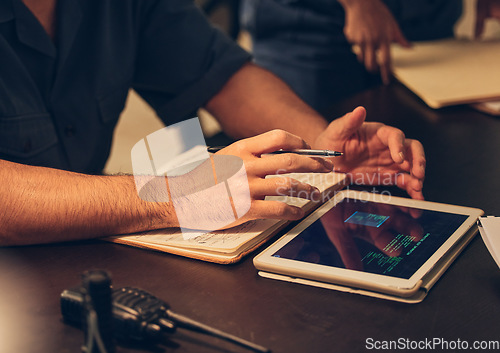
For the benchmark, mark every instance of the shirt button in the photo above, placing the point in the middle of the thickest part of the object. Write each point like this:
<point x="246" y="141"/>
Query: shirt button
<point x="70" y="130"/>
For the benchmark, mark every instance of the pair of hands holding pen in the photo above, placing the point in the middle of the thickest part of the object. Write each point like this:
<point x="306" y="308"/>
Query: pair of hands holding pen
<point x="370" y="150"/>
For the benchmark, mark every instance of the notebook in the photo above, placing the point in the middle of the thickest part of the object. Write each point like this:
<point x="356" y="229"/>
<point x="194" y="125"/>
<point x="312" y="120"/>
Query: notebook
<point x="451" y="71"/>
<point x="231" y="245"/>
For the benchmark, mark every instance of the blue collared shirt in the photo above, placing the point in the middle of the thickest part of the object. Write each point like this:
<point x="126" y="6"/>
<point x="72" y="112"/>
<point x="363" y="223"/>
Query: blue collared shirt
<point x="60" y="100"/>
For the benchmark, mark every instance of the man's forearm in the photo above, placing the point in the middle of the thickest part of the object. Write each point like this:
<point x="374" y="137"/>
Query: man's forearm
<point x="254" y="101"/>
<point x="41" y="205"/>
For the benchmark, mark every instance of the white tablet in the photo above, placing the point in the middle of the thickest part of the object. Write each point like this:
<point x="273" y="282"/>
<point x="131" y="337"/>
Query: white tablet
<point x="373" y="243"/>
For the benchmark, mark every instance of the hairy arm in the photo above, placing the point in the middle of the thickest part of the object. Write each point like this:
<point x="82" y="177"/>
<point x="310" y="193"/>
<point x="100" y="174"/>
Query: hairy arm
<point x="254" y="101"/>
<point x="42" y="205"/>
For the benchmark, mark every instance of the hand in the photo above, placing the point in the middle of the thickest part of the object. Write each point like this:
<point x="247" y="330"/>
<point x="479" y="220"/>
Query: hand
<point x="251" y="151"/>
<point x="375" y="153"/>
<point x="485" y="9"/>
<point x="371" y="26"/>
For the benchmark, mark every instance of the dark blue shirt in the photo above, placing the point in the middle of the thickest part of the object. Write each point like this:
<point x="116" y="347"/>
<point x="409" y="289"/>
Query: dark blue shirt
<point x="60" y="100"/>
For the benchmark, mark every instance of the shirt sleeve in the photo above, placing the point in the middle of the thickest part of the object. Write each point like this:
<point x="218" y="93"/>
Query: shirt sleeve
<point x="182" y="60"/>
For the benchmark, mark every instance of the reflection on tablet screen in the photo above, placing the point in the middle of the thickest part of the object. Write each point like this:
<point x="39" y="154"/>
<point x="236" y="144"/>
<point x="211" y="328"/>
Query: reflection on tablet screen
<point x="367" y="219"/>
<point x="373" y="237"/>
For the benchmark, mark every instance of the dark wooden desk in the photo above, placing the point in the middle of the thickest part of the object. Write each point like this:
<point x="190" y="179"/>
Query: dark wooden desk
<point x="463" y="168"/>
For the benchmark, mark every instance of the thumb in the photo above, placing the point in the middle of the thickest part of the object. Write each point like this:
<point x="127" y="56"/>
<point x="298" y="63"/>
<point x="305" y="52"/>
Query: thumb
<point x="344" y="127"/>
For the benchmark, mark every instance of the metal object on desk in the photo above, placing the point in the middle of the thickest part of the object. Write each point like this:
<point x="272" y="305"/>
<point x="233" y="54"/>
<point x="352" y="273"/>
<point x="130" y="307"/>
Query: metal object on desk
<point x="96" y="310"/>
<point x="140" y="316"/>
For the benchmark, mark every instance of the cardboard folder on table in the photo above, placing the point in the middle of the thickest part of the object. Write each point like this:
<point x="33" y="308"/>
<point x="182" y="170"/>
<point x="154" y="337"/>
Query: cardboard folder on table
<point x="450" y="72"/>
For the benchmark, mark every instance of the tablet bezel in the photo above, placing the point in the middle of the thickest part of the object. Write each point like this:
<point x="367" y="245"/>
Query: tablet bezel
<point x="376" y="282"/>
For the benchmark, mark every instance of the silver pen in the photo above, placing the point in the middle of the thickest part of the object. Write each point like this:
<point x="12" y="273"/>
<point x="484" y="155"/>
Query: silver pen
<point x="305" y="152"/>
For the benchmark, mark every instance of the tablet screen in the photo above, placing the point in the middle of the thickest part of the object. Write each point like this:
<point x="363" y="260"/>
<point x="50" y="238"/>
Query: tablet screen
<point x="373" y="237"/>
